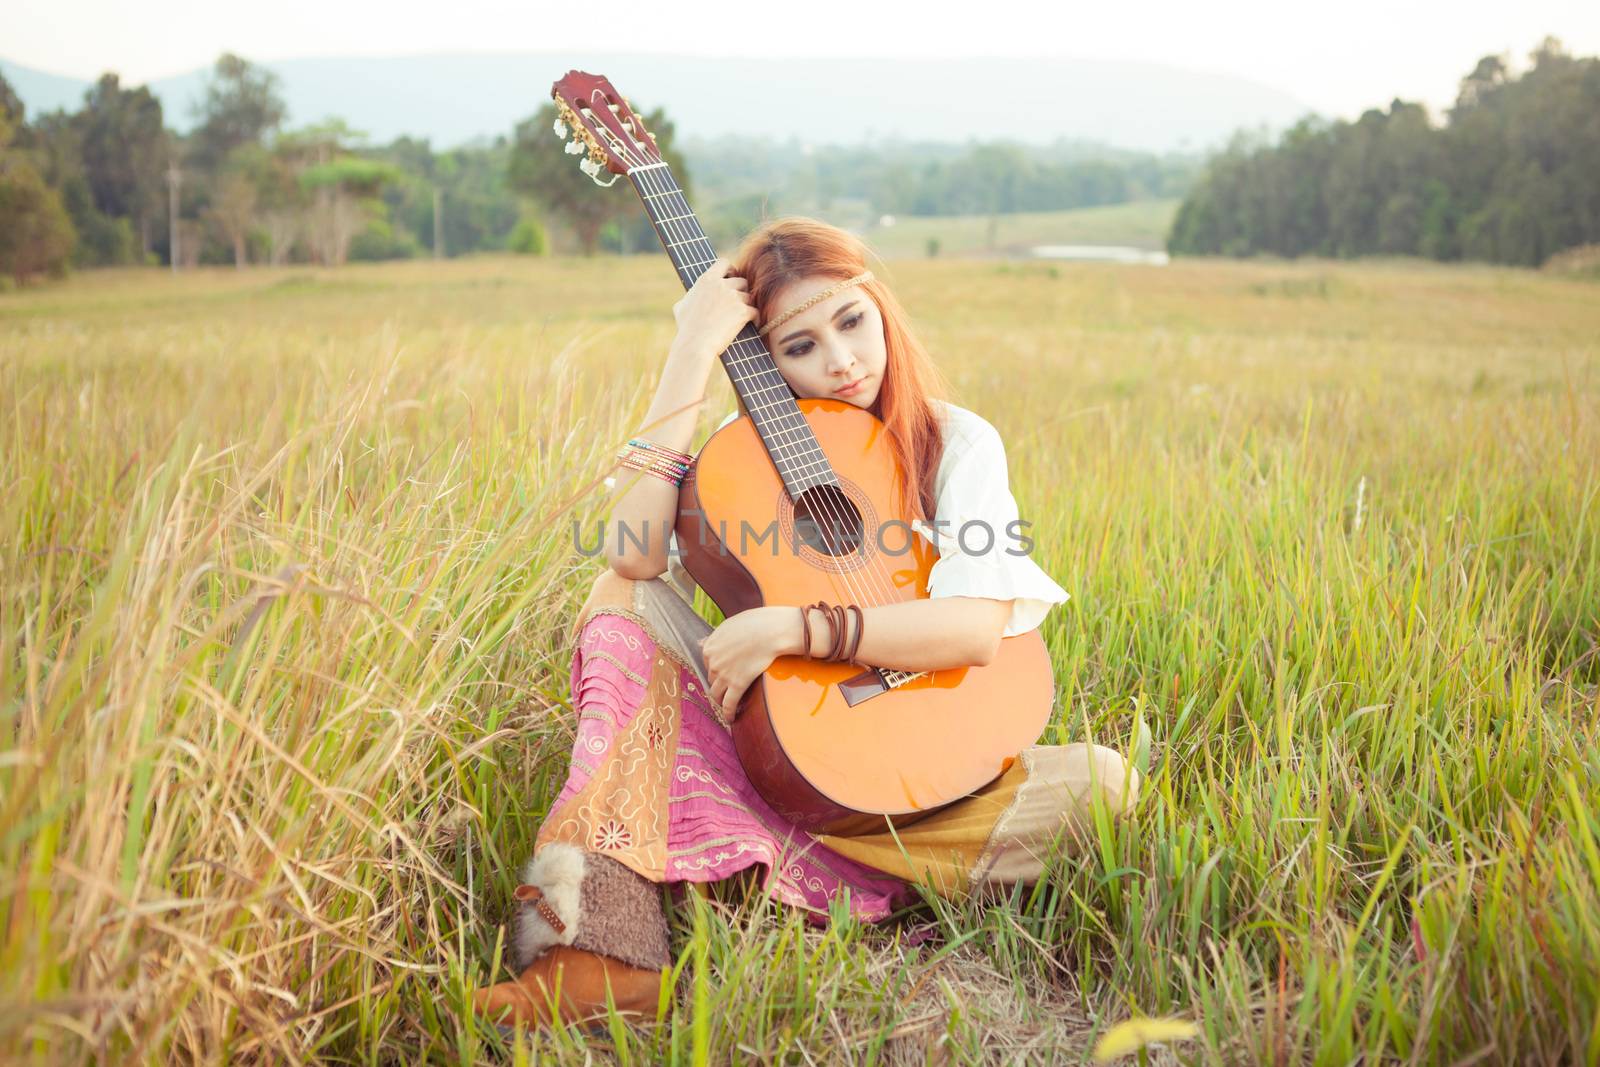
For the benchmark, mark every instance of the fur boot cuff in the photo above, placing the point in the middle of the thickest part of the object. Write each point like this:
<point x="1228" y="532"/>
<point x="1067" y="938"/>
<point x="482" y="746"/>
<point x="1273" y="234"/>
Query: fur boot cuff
<point x="591" y="902"/>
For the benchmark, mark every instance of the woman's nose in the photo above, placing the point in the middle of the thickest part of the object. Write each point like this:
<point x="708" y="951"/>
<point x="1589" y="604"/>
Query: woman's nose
<point x="840" y="359"/>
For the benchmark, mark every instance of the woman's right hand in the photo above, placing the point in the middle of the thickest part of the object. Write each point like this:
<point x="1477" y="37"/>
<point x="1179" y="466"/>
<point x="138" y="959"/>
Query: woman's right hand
<point x="713" y="311"/>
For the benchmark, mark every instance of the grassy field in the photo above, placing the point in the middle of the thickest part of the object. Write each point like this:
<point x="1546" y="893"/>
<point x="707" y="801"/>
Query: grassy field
<point x="285" y="568"/>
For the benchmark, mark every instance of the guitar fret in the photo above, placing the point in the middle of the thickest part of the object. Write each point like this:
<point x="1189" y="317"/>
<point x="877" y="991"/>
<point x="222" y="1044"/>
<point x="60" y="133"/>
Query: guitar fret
<point x="814" y="463"/>
<point x="780" y="429"/>
<point x="783" y="424"/>
<point x="796" y="443"/>
<point x="685" y="235"/>
<point x="773" y="387"/>
<point x="787" y="450"/>
<point x="790" y="427"/>
<point x="795" y="468"/>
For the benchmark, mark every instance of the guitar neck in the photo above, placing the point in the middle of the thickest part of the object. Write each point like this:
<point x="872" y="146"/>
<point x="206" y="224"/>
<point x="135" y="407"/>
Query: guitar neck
<point x="748" y="362"/>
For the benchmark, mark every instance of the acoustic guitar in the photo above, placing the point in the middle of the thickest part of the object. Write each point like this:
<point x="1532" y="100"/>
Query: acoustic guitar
<point x="794" y="502"/>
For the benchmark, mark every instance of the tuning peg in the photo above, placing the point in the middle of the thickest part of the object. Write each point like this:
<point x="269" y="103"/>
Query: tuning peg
<point x="561" y="129"/>
<point x="590" y="167"/>
<point x="574" y="148"/>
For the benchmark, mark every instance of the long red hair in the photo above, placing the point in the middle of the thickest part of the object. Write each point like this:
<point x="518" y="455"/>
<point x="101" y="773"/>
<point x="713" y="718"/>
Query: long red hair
<point x="785" y="250"/>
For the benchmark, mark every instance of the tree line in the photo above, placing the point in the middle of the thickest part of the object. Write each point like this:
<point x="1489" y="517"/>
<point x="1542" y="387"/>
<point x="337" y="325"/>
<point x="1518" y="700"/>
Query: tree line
<point x="112" y="184"/>
<point x="1512" y="176"/>
<point x="1508" y="178"/>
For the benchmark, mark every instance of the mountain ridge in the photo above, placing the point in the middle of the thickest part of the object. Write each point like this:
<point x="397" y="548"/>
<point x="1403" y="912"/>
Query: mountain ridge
<point x="453" y="98"/>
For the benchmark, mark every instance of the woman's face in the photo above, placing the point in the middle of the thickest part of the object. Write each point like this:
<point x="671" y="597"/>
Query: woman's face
<point x="834" y="344"/>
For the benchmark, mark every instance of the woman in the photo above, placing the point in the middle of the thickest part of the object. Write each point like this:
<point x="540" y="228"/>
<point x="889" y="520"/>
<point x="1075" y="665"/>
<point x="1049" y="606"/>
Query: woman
<point x="655" y="792"/>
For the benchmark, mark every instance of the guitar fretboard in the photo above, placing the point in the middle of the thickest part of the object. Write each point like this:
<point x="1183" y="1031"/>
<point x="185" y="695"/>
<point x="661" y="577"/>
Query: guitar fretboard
<point x="791" y="444"/>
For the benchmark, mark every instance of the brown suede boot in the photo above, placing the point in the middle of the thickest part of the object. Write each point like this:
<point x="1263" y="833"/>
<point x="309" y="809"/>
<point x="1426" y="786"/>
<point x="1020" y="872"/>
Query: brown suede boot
<point x="584" y="924"/>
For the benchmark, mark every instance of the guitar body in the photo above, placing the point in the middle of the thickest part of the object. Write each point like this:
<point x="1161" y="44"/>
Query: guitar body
<point x="829" y="745"/>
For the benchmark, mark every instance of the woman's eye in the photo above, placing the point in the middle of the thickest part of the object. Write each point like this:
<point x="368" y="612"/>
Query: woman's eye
<point x="805" y="346"/>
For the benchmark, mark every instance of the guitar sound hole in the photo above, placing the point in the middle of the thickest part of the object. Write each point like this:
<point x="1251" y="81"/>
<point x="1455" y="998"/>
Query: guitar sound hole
<point x="827" y="522"/>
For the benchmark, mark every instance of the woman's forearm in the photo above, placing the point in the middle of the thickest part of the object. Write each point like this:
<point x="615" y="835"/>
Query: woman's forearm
<point x="915" y="635"/>
<point x="647" y="506"/>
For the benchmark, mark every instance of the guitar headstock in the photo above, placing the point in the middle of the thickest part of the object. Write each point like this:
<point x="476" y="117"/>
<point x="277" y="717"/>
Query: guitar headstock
<point x="608" y="133"/>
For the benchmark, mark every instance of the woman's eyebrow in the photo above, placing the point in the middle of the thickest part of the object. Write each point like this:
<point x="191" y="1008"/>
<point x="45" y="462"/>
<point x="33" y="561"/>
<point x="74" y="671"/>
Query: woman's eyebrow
<point x="836" y="314"/>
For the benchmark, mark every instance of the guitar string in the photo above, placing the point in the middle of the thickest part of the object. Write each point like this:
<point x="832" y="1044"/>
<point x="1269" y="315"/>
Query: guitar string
<point x="875" y="570"/>
<point x="624" y="144"/>
<point x="788" y="420"/>
<point x="832" y="512"/>
<point x="797" y="427"/>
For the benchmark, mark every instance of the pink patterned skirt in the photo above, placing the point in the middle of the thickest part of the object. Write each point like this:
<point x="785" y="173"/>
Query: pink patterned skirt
<point x="655" y="782"/>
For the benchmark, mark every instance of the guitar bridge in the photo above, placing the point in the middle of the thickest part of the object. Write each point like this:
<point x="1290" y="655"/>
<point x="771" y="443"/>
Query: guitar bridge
<point x="872" y="682"/>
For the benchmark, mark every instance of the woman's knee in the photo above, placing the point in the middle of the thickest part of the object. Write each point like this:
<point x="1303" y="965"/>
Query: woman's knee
<point x="609" y="579"/>
<point x="611" y="587"/>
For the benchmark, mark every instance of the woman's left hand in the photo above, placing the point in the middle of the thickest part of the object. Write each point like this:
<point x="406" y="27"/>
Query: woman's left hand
<point x="741" y="648"/>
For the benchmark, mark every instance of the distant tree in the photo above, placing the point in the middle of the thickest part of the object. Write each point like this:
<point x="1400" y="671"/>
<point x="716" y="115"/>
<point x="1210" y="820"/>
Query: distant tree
<point x="35" y="233"/>
<point x="241" y="106"/>
<point x="543" y="171"/>
<point x="54" y="147"/>
<point x="1509" y="178"/>
<point x="11" y="111"/>
<point x="528" y="238"/>
<point x="125" y="149"/>
<point x="279" y="202"/>
<point x="478" y="207"/>
<point x="344" y="188"/>
<point x="103" y="240"/>
<point x="233" y="211"/>
<point x="1491" y="73"/>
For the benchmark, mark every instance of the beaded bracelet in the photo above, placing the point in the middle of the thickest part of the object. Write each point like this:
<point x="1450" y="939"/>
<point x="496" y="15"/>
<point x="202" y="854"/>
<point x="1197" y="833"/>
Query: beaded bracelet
<point x="652" y="457"/>
<point x="640" y="459"/>
<point x="671" y="471"/>
<point x="656" y="446"/>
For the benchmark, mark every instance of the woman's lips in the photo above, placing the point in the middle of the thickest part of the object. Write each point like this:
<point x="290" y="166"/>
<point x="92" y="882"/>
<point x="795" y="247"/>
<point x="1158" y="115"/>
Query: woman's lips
<point x="850" y="389"/>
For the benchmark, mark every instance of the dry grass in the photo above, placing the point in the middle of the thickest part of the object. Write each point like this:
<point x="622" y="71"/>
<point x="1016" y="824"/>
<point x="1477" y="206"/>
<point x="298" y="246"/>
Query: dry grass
<point x="285" y="561"/>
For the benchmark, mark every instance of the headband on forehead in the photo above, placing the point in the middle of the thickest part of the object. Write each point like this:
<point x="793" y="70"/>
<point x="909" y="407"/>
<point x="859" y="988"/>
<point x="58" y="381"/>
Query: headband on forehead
<point x="804" y="305"/>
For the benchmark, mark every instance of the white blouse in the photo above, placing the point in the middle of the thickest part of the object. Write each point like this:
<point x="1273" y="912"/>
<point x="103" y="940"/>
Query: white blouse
<point x="972" y="485"/>
<point x="986" y="559"/>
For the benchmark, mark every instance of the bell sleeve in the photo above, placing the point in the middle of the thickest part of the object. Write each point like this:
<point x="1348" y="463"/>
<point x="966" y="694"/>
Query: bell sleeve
<point x="980" y="541"/>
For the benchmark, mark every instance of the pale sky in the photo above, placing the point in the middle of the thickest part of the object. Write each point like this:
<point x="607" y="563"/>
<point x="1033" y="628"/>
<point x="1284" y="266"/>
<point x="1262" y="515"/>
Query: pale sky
<point x="1338" y="59"/>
